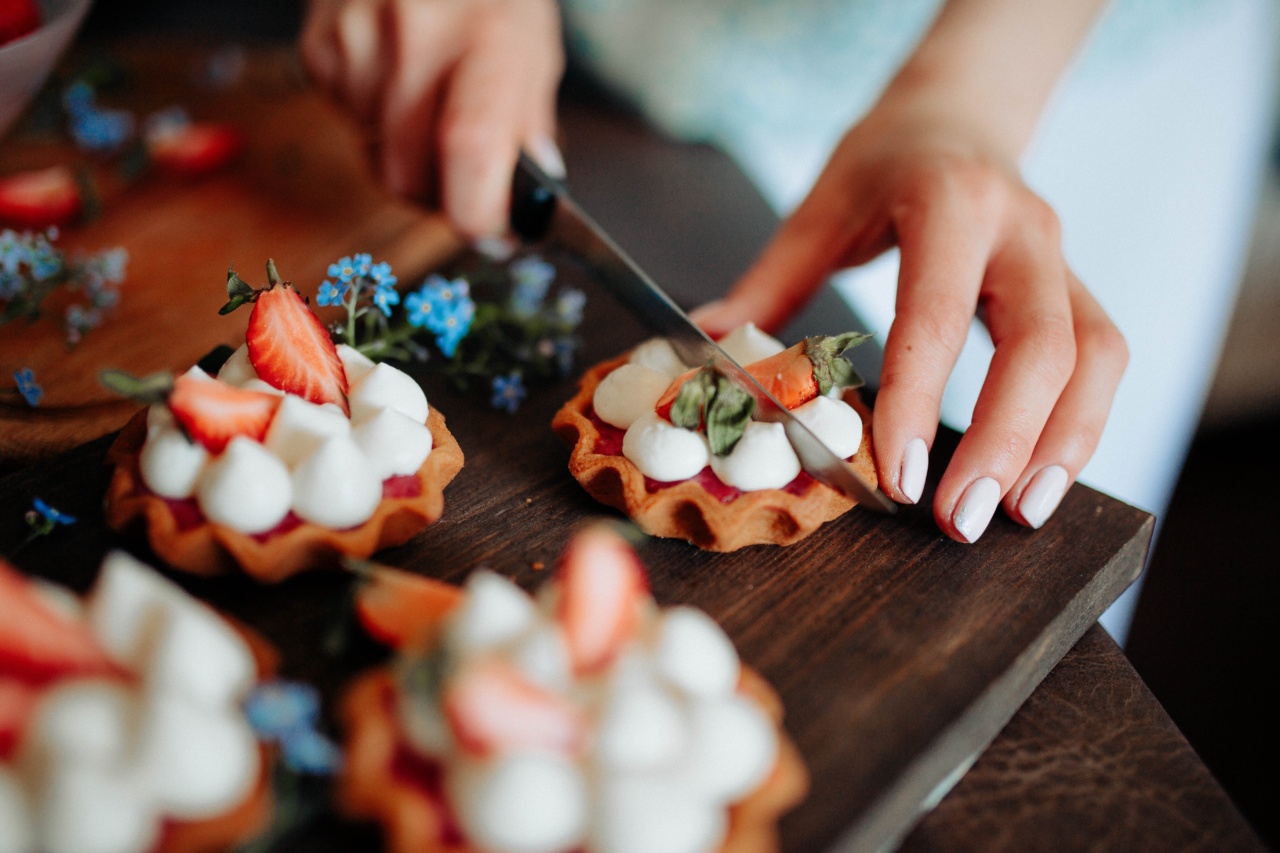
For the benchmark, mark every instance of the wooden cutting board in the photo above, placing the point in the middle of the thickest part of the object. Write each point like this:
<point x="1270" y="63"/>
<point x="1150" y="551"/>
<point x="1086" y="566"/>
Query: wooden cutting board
<point x="301" y="193"/>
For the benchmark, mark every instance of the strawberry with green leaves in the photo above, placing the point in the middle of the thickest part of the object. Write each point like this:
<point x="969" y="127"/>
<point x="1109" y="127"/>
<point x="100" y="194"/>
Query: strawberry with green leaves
<point x="289" y="347"/>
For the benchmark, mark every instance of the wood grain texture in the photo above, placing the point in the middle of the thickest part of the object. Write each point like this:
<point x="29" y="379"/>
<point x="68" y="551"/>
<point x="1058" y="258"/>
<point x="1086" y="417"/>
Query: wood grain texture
<point x="300" y="192"/>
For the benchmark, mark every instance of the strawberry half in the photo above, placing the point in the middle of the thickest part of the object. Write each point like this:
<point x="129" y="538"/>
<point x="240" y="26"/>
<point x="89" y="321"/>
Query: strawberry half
<point x="602" y="588"/>
<point x="18" y="701"/>
<point x="37" y="643"/>
<point x="213" y="412"/>
<point x="395" y="607"/>
<point x="18" y="18"/>
<point x="40" y="198"/>
<point x="491" y="707"/>
<point x="290" y="348"/>
<point x="195" y="149"/>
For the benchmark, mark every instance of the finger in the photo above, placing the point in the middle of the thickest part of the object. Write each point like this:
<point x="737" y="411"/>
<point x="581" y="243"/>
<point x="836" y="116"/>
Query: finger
<point x="944" y="252"/>
<point x="814" y="241"/>
<point x="425" y="40"/>
<point x="484" y="118"/>
<point x="317" y="43"/>
<point x="1075" y="426"/>
<point x="1029" y="316"/>
<point x="362" y="62"/>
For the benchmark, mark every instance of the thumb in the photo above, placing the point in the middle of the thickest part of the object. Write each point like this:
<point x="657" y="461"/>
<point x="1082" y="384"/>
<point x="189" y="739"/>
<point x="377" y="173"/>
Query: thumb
<point x="806" y="249"/>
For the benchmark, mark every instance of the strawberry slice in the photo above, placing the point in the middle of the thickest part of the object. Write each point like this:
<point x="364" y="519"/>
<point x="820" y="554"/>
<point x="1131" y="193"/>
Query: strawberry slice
<point x="491" y="707"/>
<point x="213" y="412"/>
<point x="17" y="702"/>
<point x="602" y="587"/>
<point x="291" y="349"/>
<point x="37" y="643"/>
<point x="195" y="149"/>
<point x="396" y="607"/>
<point x="18" y="18"/>
<point x="40" y="198"/>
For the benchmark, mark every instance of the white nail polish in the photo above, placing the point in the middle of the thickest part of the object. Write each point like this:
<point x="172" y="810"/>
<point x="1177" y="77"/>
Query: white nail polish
<point x="547" y="155"/>
<point x="495" y="248"/>
<point x="977" y="505"/>
<point x="915" y="468"/>
<point x="1043" y="494"/>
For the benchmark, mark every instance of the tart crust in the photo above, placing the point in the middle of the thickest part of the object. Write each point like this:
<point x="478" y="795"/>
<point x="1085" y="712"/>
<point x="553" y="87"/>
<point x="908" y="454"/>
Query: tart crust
<point x="686" y="510"/>
<point x="210" y="549"/>
<point x="369" y="787"/>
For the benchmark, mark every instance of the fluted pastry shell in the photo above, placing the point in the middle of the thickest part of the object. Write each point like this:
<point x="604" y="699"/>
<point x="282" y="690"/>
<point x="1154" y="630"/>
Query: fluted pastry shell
<point x="368" y="786"/>
<point x="209" y="549"/>
<point x="686" y="510"/>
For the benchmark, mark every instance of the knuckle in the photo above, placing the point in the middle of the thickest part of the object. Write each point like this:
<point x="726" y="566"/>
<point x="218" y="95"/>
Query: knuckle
<point x="1050" y="344"/>
<point x="1105" y="342"/>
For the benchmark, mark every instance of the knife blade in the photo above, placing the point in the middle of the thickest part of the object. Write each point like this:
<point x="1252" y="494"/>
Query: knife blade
<point x="543" y="211"/>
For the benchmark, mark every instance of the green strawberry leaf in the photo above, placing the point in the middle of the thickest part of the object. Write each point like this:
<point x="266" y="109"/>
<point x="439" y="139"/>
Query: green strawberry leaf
<point x="830" y="369"/>
<point x="154" y="388"/>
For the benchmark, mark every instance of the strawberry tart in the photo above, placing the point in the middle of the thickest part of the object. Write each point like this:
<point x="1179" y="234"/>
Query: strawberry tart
<point x="296" y="452"/>
<point x="586" y="719"/>
<point x="121" y="726"/>
<point x="677" y="450"/>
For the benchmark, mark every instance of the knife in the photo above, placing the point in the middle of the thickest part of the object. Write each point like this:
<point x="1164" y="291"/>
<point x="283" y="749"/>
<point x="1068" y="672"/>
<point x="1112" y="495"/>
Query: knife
<point x="543" y="211"/>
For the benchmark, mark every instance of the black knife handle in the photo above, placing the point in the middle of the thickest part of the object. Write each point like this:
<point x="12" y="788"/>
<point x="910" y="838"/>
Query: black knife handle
<point x="533" y="201"/>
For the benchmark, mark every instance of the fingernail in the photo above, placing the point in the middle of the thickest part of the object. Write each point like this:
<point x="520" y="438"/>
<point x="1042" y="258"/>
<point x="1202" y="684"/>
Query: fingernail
<point x="1042" y="495"/>
<point x="976" y="508"/>
<point x="915" y="467"/>
<point x="546" y="154"/>
<point x="495" y="248"/>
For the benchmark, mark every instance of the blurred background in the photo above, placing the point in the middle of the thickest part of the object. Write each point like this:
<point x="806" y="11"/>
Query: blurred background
<point x="1204" y="635"/>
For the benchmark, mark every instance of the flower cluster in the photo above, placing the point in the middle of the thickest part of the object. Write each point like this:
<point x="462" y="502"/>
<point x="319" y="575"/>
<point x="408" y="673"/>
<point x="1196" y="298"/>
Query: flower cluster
<point x="495" y="327"/>
<point x="94" y="128"/>
<point x="285" y="713"/>
<point x="31" y="269"/>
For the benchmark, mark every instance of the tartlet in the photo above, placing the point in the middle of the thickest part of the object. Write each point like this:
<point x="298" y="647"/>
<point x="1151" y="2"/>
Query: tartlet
<point x="412" y="789"/>
<point x="699" y="510"/>
<point x="79" y="678"/>
<point x="186" y="541"/>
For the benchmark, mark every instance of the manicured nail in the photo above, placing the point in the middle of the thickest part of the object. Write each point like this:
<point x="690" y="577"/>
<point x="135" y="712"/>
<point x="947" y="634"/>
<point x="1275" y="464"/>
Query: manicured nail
<point x="915" y="467"/>
<point x="1043" y="494"/>
<point x="546" y="154"/>
<point x="495" y="248"/>
<point x="976" y="508"/>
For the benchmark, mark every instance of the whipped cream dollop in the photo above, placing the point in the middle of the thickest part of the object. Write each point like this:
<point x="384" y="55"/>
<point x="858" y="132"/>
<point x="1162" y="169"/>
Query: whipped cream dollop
<point x="762" y="459"/>
<point x="645" y="753"/>
<point x="314" y="461"/>
<point x="104" y="762"/>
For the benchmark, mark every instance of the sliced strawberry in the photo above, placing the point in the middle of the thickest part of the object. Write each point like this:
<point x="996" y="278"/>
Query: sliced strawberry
<point x="40" y="198"/>
<point x="213" y="412"/>
<point x="491" y="707"/>
<point x="18" y="18"/>
<point x="37" y="643"/>
<point x="396" y="607"/>
<point x="194" y="149"/>
<point x="291" y="349"/>
<point x="602" y="588"/>
<point x="17" y="700"/>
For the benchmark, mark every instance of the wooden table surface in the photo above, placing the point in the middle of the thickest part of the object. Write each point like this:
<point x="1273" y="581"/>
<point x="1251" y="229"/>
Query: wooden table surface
<point x="899" y="654"/>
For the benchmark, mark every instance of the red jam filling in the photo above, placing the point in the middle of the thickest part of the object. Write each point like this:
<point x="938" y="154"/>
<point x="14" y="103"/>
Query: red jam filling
<point x="187" y="514"/>
<point x="425" y="774"/>
<point x="610" y="444"/>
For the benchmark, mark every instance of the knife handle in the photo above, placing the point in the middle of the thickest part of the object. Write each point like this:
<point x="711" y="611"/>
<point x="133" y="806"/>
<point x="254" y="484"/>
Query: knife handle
<point x="533" y="200"/>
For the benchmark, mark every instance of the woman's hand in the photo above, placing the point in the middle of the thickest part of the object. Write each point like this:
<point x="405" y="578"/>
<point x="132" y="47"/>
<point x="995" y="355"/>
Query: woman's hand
<point x="920" y="174"/>
<point x="448" y="90"/>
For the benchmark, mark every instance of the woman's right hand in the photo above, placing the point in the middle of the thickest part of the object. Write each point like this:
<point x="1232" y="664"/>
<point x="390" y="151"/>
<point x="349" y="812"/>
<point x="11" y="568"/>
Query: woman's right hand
<point x="449" y="92"/>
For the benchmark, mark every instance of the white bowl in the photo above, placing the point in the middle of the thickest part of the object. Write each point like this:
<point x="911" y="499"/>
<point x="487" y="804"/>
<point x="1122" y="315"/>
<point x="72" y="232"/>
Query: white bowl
<point x="25" y="63"/>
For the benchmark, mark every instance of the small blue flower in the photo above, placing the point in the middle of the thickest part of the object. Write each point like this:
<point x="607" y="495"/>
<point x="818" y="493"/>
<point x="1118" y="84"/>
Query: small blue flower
<point x="274" y="708"/>
<point x="452" y="326"/>
<point x="418" y="306"/>
<point x="362" y="263"/>
<point x="332" y="294"/>
<point x="385" y="295"/>
<point x="565" y="350"/>
<point x="508" y="392"/>
<point x="52" y="516"/>
<point x="343" y="270"/>
<point x="102" y="130"/>
<point x="532" y="276"/>
<point x="78" y="98"/>
<point x="308" y="751"/>
<point x="380" y="274"/>
<point x="569" y="305"/>
<point x="31" y="392"/>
